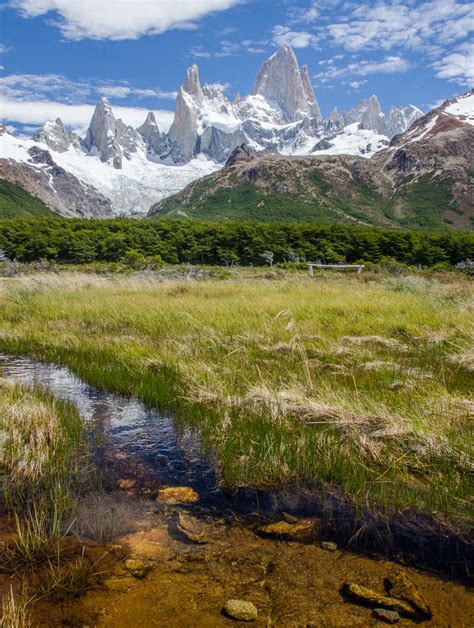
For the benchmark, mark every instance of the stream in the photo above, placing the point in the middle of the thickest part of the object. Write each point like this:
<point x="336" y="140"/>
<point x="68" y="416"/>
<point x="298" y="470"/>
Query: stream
<point x="139" y="450"/>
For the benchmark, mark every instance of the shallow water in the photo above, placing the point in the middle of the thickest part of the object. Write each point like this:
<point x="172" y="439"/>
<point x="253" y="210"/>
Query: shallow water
<point x="291" y="584"/>
<point x="135" y="442"/>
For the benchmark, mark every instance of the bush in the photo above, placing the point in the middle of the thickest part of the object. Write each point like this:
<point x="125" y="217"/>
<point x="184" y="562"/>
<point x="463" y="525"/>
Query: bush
<point x="133" y="259"/>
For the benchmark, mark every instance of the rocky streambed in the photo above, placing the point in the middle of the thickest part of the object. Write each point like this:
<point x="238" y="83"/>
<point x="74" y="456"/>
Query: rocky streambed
<point x="161" y="544"/>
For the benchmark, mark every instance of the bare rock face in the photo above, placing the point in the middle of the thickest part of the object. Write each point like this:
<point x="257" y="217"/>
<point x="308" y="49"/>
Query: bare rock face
<point x="184" y="130"/>
<point x="399" y="119"/>
<point x="281" y="81"/>
<point x="192" y="84"/>
<point x="57" y="137"/>
<point x="150" y="132"/>
<point x="111" y="139"/>
<point x="369" y="115"/>
<point x="334" y="122"/>
<point x="101" y="135"/>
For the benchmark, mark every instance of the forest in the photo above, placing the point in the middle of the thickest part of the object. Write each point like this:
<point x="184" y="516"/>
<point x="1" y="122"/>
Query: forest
<point x="226" y="243"/>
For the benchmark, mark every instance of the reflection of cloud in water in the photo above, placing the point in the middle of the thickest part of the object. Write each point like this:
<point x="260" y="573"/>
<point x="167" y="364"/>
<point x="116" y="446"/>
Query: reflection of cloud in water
<point x="147" y="438"/>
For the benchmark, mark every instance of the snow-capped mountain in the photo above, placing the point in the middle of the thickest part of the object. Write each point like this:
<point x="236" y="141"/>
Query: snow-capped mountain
<point x="134" y="168"/>
<point x="422" y="179"/>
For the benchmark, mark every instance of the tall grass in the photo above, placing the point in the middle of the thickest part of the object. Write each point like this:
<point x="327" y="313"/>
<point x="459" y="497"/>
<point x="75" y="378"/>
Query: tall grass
<point x="40" y="463"/>
<point x="353" y="383"/>
<point x="16" y="610"/>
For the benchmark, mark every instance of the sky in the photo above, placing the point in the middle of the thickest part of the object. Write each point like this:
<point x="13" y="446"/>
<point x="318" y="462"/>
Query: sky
<point x="58" y="57"/>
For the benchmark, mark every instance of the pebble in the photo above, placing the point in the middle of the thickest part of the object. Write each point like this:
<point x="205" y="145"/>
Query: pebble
<point x="329" y="546"/>
<point x="389" y="617"/>
<point x="240" y="610"/>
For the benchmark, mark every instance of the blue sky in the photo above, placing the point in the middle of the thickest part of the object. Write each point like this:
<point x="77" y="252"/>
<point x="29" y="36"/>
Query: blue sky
<point x="59" y="56"/>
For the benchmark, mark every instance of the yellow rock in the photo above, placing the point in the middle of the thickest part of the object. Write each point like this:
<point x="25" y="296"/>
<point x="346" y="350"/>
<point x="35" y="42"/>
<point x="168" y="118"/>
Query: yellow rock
<point x="137" y="567"/>
<point x="401" y="586"/>
<point x="369" y="596"/>
<point x="303" y="530"/>
<point x="177" y="495"/>
<point x="192" y="528"/>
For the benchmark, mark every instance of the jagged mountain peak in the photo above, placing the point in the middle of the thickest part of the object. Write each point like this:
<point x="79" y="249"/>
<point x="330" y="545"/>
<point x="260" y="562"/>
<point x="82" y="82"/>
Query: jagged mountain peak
<point x="150" y="119"/>
<point x="281" y="81"/>
<point x="54" y="134"/>
<point x="192" y="84"/>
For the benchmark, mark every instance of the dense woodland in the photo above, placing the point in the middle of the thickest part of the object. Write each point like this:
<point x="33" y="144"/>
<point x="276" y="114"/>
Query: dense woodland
<point x="225" y="243"/>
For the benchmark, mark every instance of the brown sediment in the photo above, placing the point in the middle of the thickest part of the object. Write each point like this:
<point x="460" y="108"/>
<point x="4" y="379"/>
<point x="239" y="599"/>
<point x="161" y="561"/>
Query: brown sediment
<point x="291" y="584"/>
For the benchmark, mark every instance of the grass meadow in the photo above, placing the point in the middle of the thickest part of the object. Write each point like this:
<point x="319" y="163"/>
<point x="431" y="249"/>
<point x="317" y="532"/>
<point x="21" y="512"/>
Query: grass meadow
<point x="359" y="384"/>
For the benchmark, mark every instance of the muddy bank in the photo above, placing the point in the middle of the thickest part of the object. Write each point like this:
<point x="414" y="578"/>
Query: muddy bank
<point x="155" y="577"/>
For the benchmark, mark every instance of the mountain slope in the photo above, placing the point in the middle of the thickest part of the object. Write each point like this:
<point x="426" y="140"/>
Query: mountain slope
<point x="16" y="202"/>
<point x="423" y="179"/>
<point x="124" y="169"/>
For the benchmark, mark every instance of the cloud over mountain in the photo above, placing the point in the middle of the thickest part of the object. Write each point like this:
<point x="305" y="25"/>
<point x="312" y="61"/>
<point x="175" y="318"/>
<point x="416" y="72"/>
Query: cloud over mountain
<point x="120" y="19"/>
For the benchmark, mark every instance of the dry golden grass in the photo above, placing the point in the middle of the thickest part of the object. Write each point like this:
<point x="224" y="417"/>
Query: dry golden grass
<point x="348" y="381"/>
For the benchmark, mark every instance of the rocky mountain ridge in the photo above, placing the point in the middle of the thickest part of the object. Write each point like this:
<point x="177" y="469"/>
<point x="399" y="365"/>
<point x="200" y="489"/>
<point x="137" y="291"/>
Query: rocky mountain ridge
<point x="423" y="179"/>
<point x="140" y="166"/>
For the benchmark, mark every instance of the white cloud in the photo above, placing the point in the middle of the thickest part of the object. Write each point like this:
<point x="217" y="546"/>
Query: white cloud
<point x="418" y="26"/>
<point x="121" y="19"/>
<point x="58" y="88"/>
<point x="123" y="91"/>
<point x="458" y="65"/>
<point x="4" y="49"/>
<point x="76" y="116"/>
<point x="230" y="49"/>
<point x="198" y="51"/>
<point x="43" y="86"/>
<point x="389" y="65"/>
<point x="357" y="84"/>
<point x="303" y="16"/>
<point x="296" y="39"/>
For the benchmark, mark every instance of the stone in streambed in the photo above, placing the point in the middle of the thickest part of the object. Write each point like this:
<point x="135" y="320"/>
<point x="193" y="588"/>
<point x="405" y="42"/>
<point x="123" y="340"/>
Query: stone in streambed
<point x="137" y="567"/>
<point x="373" y="598"/>
<point x="240" y="610"/>
<point x="329" y="546"/>
<point x="177" y="495"/>
<point x="120" y="584"/>
<point x="303" y="530"/>
<point x="192" y="528"/>
<point x="389" y="617"/>
<point x="399" y="585"/>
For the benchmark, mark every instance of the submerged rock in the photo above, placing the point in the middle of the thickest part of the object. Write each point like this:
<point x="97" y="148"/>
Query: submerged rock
<point x="303" y="530"/>
<point x="374" y="598"/>
<point x="120" y="584"/>
<point x="241" y="610"/>
<point x="137" y="567"/>
<point x="329" y="546"/>
<point x="192" y="528"/>
<point x="389" y="617"/>
<point x="399" y="585"/>
<point x="177" y="495"/>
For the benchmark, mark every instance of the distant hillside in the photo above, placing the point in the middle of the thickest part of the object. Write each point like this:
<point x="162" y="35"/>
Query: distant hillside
<point x="423" y="180"/>
<point x="16" y="202"/>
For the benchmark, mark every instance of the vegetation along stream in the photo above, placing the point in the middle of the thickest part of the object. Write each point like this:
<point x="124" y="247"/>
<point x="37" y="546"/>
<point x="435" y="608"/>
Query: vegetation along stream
<point x="159" y="542"/>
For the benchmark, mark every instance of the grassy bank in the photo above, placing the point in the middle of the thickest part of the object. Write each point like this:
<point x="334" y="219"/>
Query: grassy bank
<point x="40" y="463"/>
<point x="359" y="384"/>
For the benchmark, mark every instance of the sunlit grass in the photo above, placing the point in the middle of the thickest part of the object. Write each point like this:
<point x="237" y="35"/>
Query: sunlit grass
<point x="361" y="384"/>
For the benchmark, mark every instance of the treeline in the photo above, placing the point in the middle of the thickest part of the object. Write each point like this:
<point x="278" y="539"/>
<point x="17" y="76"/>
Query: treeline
<point x="225" y="243"/>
